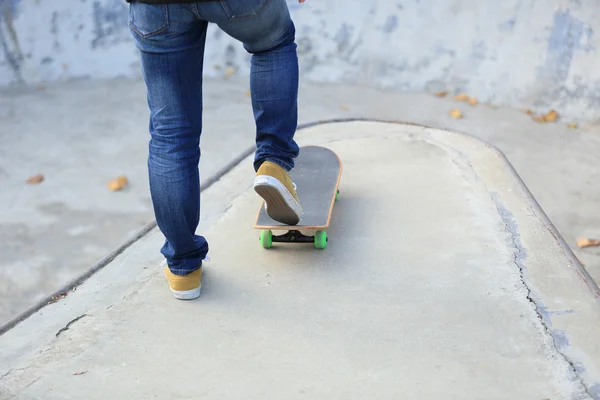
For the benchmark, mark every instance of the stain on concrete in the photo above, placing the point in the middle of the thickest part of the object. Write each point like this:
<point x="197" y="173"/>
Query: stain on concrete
<point x="479" y="51"/>
<point x="79" y="30"/>
<point x="595" y="390"/>
<point x="230" y="56"/>
<point x="561" y="341"/>
<point x="343" y="38"/>
<point x="14" y="6"/>
<point x="391" y="23"/>
<point x="110" y="23"/>
<point x="566" y="35"/>
<point x="54" y="31"/>
<point x="54" y="23"/>
<point x="304" y="45"/>
<point x="508" y="26"/>
<point x="441" y="50"/>
<point x="580" y="90"/>
<point x="9" y="41"/>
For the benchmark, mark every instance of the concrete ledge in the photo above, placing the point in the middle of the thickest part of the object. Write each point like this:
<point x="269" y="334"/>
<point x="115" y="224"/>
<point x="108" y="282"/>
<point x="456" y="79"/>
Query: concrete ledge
<point x="442" y="278"/>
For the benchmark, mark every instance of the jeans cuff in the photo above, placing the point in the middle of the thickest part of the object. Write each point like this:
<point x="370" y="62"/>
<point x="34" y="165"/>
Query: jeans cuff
<point x="282" y="164"/>
<point x="183" y="272"/>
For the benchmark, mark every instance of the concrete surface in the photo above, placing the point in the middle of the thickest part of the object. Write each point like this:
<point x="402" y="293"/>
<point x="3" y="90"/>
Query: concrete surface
<point x="80" y="138"/>
<point x="441" y="279"/>
<point x="82" y="134"/>
<point x="510" y="53"/>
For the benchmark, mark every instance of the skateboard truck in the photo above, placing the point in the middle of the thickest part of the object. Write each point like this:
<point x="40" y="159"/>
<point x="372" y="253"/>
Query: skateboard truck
<point x="293" y="236"/>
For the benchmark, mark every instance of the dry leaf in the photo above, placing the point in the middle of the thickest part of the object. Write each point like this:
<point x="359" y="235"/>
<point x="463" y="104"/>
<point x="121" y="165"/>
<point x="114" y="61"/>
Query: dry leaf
<point x="455" y="113"/>
<point x="573" y="125"/>
<point x="54" y="299"/>
<point x="217" y="67"/>
<point x="40" y="88"/>
<point x="80" y="373"/>
<point x="461" y="97"/>
<point x="118" y="184"/>
<point x="585" y="242"/>
<point x="65" y="66"/>
<point x="443" y="93"/>
<point x="472" y="101"/>
<point x="248" y="93"/>
<point x="551" y="116"/>
<point x="229" y="71"/>
<point x="345" y="108"/>
<point x="35" y="179"/>
<point x="528" y="112"/>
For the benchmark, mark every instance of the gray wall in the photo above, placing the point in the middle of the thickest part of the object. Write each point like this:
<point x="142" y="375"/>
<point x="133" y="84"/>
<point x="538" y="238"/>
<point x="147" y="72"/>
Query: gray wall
<point x="536" y="53"/>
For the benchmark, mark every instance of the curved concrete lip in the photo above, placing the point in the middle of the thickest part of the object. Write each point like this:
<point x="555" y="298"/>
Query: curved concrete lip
<point x="442" y="277"/>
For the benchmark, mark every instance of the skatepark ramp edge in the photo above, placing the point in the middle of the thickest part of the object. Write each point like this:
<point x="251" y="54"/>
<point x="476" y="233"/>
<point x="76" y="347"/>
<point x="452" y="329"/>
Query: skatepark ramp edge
<point x="208" y="182"/>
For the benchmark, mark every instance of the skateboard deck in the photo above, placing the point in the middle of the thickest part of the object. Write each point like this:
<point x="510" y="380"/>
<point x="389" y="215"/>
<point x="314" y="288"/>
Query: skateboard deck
<point x="317" y="174"/>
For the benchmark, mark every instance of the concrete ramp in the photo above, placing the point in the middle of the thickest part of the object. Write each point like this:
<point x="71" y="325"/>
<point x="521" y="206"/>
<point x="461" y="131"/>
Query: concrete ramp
<point x="442" y="279"/>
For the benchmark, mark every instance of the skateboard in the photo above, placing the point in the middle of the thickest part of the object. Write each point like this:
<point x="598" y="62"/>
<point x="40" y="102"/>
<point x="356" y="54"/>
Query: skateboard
<point x="317" y="174"/>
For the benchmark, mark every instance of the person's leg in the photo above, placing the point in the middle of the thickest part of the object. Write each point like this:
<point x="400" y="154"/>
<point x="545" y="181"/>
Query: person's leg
<point x="268" y="33"/>
<point x="171" y="39"/>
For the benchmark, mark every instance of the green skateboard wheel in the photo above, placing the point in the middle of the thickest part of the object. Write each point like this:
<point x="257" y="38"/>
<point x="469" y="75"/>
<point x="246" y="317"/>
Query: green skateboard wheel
<point x="320" y="239"/>
<point x="266" y="238"/>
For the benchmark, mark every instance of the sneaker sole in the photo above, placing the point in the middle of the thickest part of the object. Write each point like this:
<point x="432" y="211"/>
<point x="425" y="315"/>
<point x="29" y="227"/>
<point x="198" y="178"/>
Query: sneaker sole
<point x="281" y="205"/>
<point x="187" y="294"/>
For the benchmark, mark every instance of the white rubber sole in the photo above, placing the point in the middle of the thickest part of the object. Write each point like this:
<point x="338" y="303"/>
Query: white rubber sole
<point x="280" y="205"/>
<point x="187" y="294"/>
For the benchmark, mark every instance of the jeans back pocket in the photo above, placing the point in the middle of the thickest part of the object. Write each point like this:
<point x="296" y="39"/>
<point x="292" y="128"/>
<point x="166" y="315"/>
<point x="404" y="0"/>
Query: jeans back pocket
<point x="148" y="19"/>
<point x="241" y="9"/>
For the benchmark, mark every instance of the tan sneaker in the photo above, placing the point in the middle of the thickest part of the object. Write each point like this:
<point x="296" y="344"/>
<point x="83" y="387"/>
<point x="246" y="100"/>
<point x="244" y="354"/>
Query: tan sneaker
<point x="275" y="186"/>
<point x="184" y="287"/>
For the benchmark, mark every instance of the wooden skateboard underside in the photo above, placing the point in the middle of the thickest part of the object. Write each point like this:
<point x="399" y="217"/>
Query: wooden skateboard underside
<point x="317" y="174"/>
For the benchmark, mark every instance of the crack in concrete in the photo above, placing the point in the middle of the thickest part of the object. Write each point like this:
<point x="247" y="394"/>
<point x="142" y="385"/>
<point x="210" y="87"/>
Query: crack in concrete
<point x="10" y="371"/>
<point x="71" y="322"/>
<point x="511" y="228"/>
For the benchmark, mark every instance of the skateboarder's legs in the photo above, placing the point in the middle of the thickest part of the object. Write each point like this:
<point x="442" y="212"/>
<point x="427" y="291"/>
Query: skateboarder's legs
<point x="171" y="41"/>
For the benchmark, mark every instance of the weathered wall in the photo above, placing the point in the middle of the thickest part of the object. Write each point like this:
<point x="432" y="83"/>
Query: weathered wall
<point x="515" y="52"/>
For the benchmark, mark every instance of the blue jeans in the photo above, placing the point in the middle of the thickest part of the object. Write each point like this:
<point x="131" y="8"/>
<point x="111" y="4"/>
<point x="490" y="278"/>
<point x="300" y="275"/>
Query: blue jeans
<point x="171" y="41"/>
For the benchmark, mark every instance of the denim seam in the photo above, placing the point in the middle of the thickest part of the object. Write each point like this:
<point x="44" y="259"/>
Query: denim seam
<point x="197" y="12"/>
<point x="155" y="32"/>
<point x="245" y="16"/>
